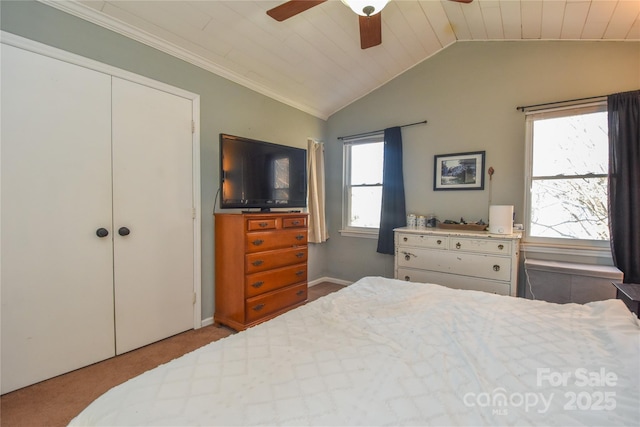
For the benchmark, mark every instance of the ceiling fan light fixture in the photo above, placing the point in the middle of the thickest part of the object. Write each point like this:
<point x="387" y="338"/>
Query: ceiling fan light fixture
<point x="366" y="7"/>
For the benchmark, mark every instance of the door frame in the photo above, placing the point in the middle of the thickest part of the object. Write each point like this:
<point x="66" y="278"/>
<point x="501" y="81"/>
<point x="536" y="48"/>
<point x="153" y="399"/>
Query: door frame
<point x="55" y="53"/>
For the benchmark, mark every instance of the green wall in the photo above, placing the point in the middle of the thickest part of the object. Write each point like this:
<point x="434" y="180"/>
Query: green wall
<point x="225" y="107"/>
<point x="468" y="93"/>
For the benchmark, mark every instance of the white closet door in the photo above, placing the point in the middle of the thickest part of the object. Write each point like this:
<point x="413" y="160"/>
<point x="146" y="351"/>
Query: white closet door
<point x="57" y="277"/>
<point x="153" y="199"/>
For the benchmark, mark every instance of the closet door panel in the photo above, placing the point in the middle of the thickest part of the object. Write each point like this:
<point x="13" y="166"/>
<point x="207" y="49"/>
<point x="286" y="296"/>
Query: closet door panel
<point x="57" y="277"/>
<point x="153" y="199"/>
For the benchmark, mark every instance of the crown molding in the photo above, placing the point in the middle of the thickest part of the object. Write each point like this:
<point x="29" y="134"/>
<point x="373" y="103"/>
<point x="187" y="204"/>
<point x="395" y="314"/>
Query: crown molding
<point x="89" y="14"/>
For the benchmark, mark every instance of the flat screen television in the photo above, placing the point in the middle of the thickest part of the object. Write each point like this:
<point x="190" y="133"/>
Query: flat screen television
<point x="259" y="174"/>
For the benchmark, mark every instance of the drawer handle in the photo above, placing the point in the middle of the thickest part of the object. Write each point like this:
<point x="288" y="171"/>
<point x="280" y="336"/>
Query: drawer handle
<point x="257" y="284"/>
<point x="501" y="247"/>
<point x="439" y="242"/>
<point x="458" y="245"/>
<point x="300" y="292"/>
<point x="299" y="272"/>
<point x="258" y="242"/>
<point x="300" y="254"/>
<point x="408" y="255"/>
<point x="257" y="262"/>
<point x="296" y="222"/>
<point x="407" y="278"/>
<point x="300" y="237"/>
<point x="258" y="307"/>
<point x="496" y="267"/>
<point x="406" y="239"/>
<point x="263" y="224"/>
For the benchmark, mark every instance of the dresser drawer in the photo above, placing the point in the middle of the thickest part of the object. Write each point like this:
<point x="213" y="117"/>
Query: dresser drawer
<point x="261" y="261"/>
<point x="259" y="258"/>
<point x="261" y="224"/>
<point x="294" y="222"/>
<point x="259" y="283"/>
<point x="487" y="246"/>
<point x="455" y="281"/>
<point x="423" y="241"/>
<point x="264" y="241"/>
<point x="467" y="264"/>
<point x="263" y="305"/>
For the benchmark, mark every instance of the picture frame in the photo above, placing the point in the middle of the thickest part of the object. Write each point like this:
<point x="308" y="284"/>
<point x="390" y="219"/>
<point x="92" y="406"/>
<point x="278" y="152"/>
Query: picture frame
<point x="459" y="171"/>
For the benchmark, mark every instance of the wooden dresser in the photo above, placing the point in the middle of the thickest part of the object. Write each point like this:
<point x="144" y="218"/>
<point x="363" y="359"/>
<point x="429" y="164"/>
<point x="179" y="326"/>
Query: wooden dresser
<point x="260" y="266"/>
<point x="458" y="259"/>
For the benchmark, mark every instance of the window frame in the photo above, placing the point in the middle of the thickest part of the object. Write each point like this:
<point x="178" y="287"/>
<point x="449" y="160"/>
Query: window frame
<point x="347" y="229"/>
<point x="551" y="245"/>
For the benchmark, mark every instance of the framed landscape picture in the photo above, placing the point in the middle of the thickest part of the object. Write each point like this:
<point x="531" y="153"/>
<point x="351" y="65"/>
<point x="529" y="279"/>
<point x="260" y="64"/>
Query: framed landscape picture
<point x="459" y="171"/>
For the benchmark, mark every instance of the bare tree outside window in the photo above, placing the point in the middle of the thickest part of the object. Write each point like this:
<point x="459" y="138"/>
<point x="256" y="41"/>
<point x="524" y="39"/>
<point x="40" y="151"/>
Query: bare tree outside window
<point x="569" y="177"/>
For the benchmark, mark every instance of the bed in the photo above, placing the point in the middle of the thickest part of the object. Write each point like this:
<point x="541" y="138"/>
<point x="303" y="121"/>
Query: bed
<point x="389" y="352"/>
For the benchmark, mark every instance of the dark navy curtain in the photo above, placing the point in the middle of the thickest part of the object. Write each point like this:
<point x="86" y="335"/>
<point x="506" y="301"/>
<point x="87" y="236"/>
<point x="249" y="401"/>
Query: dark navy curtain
<point x="393" y="211"/>
<point x="624" y="182"/>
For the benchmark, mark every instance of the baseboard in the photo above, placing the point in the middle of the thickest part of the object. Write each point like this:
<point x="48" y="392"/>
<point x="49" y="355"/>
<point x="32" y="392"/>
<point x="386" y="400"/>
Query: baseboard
<point x="209" y="320"/>
<point x="329" y="279"/>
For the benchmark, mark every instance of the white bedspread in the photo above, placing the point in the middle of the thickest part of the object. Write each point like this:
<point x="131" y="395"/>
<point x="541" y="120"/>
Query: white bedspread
<point x="387" y="352"/>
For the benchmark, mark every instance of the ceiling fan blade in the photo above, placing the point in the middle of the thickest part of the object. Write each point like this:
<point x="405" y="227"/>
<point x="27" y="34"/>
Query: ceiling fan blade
<point x="370" y="30"/>
<point x="292" y="8"/>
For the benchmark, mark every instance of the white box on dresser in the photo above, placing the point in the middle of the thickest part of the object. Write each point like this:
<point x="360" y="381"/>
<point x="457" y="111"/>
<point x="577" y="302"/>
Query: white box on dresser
<point x="460" y="259"/>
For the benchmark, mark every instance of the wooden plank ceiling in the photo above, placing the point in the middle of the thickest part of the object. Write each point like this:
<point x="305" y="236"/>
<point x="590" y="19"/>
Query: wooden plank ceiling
<point x="313" y="61"/>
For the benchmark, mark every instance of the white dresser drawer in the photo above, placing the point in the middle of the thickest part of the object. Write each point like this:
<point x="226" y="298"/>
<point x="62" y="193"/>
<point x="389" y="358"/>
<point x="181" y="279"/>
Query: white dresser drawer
<point x="466" y="264"/>
<point x="454" y="281"/>
<point x="480" y="245"/>
<point x="423" y="240"/>
<point x="460" y="259"/>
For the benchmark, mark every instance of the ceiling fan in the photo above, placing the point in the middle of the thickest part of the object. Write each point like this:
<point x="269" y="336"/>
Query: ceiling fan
<point x="369" y="16"/>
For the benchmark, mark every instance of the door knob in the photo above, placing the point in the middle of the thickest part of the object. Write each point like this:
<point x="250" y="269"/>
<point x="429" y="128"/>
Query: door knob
<point x="102" y="232"/>
<point x="124" y="231"/>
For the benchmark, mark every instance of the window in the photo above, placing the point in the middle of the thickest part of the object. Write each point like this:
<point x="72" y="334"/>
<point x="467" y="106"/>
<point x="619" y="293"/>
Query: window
<point x="363" y="184"/>
<point x="567" y="182"/>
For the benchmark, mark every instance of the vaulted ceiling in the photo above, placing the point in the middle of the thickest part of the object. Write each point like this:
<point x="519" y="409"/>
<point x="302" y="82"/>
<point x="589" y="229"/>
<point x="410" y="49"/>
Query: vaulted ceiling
<point x="313" y="60"/>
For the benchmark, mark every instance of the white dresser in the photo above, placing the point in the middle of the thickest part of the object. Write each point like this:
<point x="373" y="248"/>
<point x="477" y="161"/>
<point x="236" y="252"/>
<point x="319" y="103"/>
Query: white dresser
<point x="476" y="260"/>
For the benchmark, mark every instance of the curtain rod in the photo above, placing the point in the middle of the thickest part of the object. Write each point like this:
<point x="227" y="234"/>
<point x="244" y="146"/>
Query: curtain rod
<point x="591" y="98"/>
<point x="378" y="131"/>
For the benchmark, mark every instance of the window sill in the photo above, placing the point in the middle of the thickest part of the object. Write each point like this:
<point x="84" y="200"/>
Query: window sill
<point x="360" y="232"/>
<point x="578" y="251"/>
